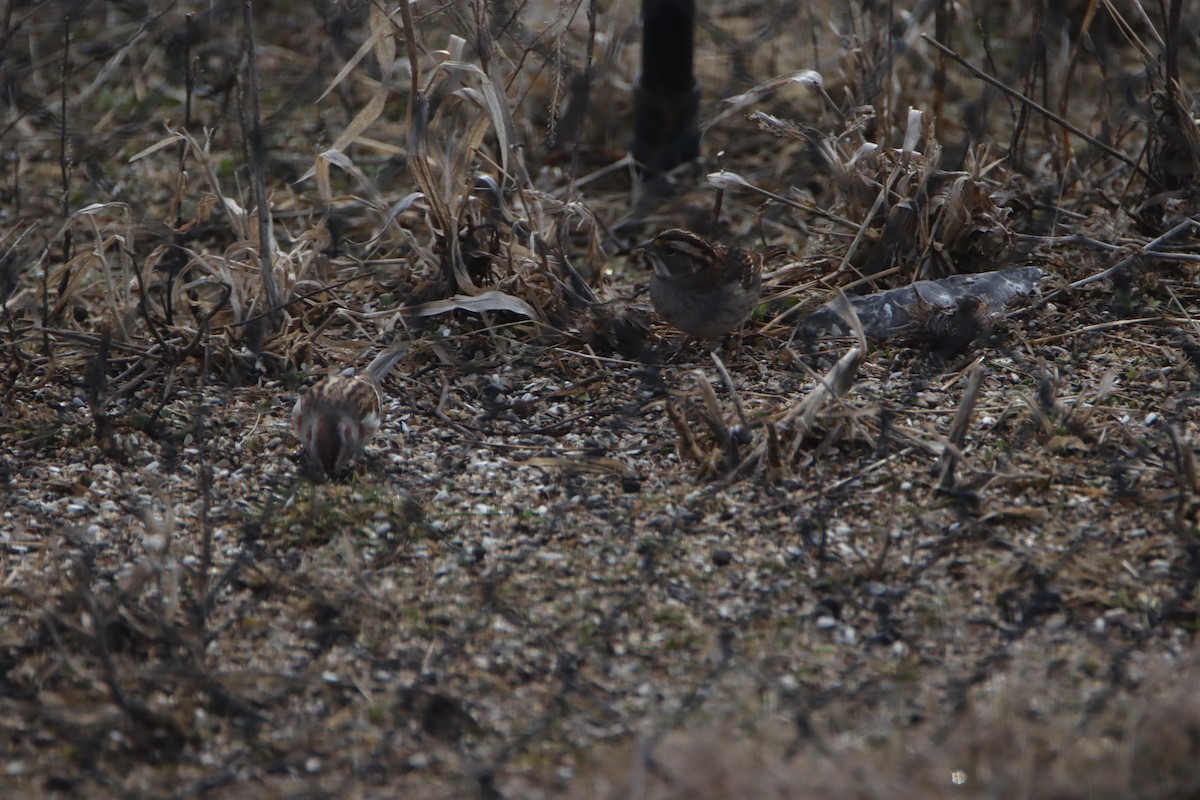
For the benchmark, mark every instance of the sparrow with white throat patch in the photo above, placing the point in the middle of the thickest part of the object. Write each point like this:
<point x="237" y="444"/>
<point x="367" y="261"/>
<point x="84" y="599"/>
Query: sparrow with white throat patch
<point x="702" y="287"/>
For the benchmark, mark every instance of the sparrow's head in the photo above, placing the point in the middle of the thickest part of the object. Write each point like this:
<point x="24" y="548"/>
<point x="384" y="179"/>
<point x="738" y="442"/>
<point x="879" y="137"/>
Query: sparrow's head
<point x="677" y="253"/>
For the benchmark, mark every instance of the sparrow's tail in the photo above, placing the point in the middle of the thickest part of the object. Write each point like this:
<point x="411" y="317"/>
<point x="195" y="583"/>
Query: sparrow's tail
<point x="382" y="364"/>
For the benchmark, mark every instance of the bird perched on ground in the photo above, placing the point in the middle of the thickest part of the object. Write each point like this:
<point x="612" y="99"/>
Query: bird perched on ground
<point x="702" y="287"/>
<point x="336" y="418"/>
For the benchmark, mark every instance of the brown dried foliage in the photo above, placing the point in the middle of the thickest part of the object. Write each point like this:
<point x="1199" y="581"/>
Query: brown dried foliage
<point x="585" y="558"/>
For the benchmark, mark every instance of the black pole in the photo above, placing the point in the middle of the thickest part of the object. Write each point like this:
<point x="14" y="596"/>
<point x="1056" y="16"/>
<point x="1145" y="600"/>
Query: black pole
<point x="666" y="97"/>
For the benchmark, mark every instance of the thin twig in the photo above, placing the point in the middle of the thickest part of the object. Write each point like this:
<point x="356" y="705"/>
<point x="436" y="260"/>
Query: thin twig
<point x="733" y="393"/>
<point x="958" y="430"/>
<point x="1050" y="115"/>
<point x="1144" y="251"/>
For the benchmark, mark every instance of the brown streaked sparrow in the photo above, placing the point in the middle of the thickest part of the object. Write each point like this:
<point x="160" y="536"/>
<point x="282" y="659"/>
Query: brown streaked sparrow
<point x="703" y="288"/>
<point x="336" y="418"/>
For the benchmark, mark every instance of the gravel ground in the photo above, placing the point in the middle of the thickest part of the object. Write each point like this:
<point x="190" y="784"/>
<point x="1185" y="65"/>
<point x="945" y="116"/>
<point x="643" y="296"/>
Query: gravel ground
<point x="585" y="557"/>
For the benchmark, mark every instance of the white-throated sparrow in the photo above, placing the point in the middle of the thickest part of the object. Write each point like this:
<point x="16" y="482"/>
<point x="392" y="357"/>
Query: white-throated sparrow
<point x="336" y="418"/>
<point x="702" y="287"/>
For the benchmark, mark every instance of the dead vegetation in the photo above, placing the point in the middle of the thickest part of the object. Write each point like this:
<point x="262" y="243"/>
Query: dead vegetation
<point x="584" y="558"/>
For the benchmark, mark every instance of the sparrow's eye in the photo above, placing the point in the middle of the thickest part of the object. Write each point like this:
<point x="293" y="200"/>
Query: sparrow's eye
<point x="669" y="249"/>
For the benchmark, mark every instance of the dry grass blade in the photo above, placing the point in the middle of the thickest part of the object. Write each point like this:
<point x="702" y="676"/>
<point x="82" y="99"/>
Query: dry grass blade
<point x="802" y="415"/>
<point x="688" y="449"/>
<point x="381" y="40"/>
<point x="444" y="221"/>
<point x="958" y="430"/>
<point x="727" y="379"/>
<point x="715" y="418"/>
<point x="396" y="209"/>
<point x="324" y="184"/>
<point x="1129" y="33"/>
<point x="233" y="210"/>
<point x="1081" y="412"/>
<point x="365" y="117"/>
<point x="731" y="181"/>
<point x="383" y="43"/>
<point x="161" y="144"/>
<point x="489" y="97"/>
<point x="836" y="383"/>
<point x="562" y="540"/>
<point x="1185" y="462"/>
<point x="595" y="465"/>
<point x="810" y="79"/>
<point x="484" y="301"/>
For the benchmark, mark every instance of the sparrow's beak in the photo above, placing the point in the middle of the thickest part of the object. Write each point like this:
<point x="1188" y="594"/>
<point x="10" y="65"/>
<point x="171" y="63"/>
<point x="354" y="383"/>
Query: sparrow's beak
<point x="651" y="257"/>
<point x="643" y="250"/>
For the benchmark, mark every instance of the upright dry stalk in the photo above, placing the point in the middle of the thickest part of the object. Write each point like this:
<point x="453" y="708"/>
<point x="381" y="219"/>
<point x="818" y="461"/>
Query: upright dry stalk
<point x="257" y="158"/>
<point x="453" y="270"/>
<point x="64" y="164"/>
<point x="583" y="94"/>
